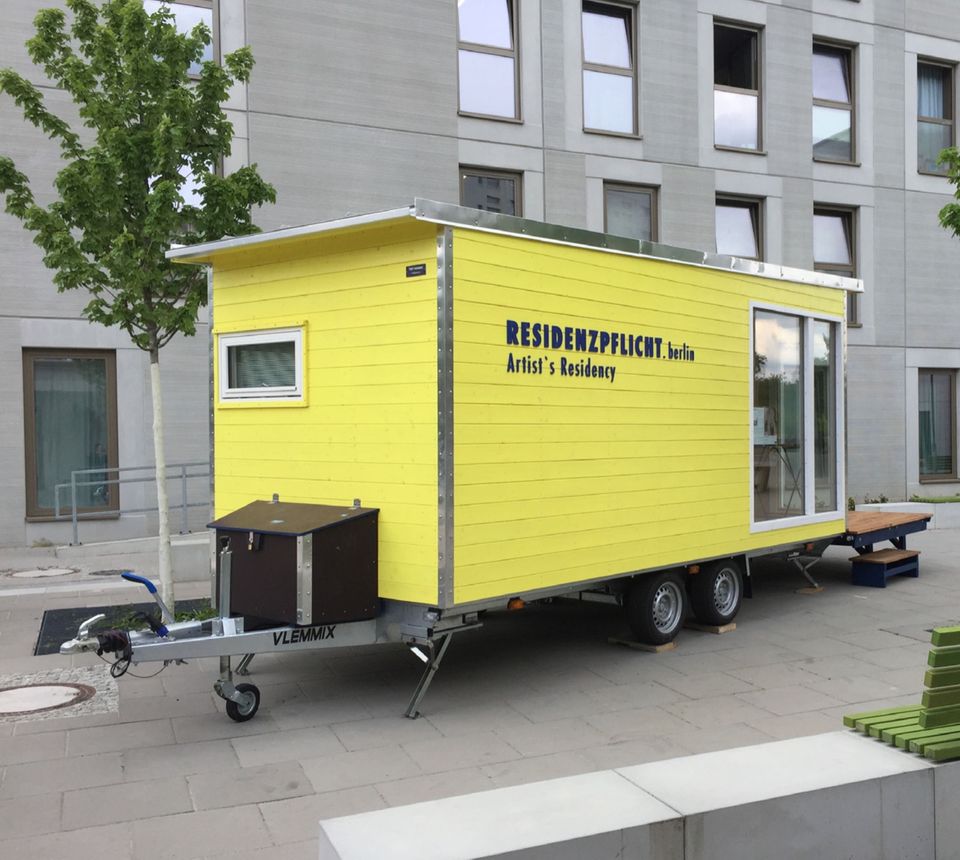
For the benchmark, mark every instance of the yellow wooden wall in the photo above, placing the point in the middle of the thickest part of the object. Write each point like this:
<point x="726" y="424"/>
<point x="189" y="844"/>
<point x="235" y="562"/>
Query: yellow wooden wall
<point x="563" y="480"/>
<point x="368" y="426"/>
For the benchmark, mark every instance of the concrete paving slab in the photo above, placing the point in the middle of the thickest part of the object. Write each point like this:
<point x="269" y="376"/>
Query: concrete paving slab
<point x="17" y="750"/>
<point x="363" y="767"/>
<point x="179" y="759"/>
<point x="219" y="789"/>
<point x="307" y="850"/>
<point x="382" y="732"/>
<point x="415" y="789"/>
<point x="48" y="777"/>
<point x="715" y="711"/>
<point x="114" y="840"/>
<point x="555" y="736"/>
<point x="132" y="801"/>
<point x="295" y="820"/>
<point x="537" y="768"/>
<point x="637" y="724"/>
<point x="213" y="833"/>
<point x="789" y="700"/>
<point x="29" y="816"/>
<point x="122" y="736"/>
<point x="294" y="745"/>
<point x="453" y="753"/>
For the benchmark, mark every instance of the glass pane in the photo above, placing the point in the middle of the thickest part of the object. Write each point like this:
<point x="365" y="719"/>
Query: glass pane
<point x="831" y="241"/>
<point x="777" y="417"/>
<point x="932" y="139"/>
<point x="608" y="102"/>
<point x="933" y="91"/>
<point x="936" y="422"/>
<point x="262" y="365"/>
<point x="831" y="134"/>
<point x="629" y="213"/>
<point x="736" y="231"/>
<point x="487" y="84"/>
<point x="606" y="39"/>
<point x="830" y="75"/>
<point x="485" y="22"/>
<point x="187" y="17"/>
<point x="72" y="431"/>
<point x="735" y="119"/>
<point x="491" y="193"/>
<point x="824" y="417"/>
<point x="735" y="57"/>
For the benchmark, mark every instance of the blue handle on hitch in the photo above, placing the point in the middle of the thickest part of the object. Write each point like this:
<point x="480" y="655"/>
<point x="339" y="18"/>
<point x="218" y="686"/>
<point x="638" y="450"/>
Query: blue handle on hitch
<point x="132" y="577"/>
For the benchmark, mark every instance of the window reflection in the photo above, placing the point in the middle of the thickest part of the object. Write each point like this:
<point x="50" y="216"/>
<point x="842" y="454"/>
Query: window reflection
<point x="187" y="17"/>
<point x="487" y="58"/>
<point x="608" y="72"/>
<point x="824" y="417"/>
<point x="777" y="417"/>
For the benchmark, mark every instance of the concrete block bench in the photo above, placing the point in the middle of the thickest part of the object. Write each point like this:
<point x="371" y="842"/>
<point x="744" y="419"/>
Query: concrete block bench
<point x="818" y="797"/>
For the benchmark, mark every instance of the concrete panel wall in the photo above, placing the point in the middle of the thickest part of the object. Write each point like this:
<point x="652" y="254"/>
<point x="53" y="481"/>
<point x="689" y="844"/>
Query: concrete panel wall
<point x="876" y="416"/>
<point x="932" y="259"/>
<point x="669" y="119"/>
<point x="327" y="170"/>
<point x="389" y="65"/>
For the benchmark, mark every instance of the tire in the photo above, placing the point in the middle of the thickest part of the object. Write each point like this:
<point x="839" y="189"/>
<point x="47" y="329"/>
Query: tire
<point x="655" y="606"/>
<point x="239" y="713"/>
<point x="716" y="592"/>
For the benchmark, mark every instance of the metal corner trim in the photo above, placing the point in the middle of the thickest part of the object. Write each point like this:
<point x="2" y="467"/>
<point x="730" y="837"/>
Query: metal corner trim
<point x="445" y="423"/>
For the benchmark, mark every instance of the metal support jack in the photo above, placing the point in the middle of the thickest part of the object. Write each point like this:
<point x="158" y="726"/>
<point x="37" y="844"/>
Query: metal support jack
<point x="803" y="564"/>
<point x="437" y="648"/>
<point x="243" y="666"/>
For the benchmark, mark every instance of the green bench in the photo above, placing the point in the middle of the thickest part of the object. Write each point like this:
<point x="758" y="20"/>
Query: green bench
<point x="931" y="728"/>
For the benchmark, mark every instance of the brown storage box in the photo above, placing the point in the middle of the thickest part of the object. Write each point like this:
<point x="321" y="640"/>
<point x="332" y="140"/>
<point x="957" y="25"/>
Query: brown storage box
<point x="301" y="564"/>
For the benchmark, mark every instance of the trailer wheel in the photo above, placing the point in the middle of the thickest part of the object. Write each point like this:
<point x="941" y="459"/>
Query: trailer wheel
<point x="241" y="713"/>
<point x="716" y="592"/>
<point x="655" y="607"/>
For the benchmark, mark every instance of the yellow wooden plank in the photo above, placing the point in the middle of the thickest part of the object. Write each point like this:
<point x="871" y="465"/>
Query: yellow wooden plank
<point x="543" y="461"/>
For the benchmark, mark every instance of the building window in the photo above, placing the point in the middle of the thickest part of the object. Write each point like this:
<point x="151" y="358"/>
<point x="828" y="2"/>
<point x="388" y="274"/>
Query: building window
<point x="835" y="250"/>
<point x="630" y="210"/>
<point x="491" y="190"/>
<point x="934" y="115"/>
<point x="261" y="365"/>
<point x="833" y="117"/>
<point x="794" y="369"/>
<point x="70" y="425"/>
<point x="487" y="57"/>
<point x="739" y="228"/>
<point x="187" y="14"/>
<point x="736" y="87"/>
<point x="609" y="60"/>
<point x="938" y="425"/>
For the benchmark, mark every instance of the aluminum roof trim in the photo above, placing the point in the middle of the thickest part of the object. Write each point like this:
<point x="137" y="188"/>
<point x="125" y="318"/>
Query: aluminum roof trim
<point x="188" y="253"/>
<point x="450" y="214"/>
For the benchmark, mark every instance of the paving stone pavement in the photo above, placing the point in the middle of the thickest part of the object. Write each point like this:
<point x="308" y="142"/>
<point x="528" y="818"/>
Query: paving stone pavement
<point x="532" y="695"/>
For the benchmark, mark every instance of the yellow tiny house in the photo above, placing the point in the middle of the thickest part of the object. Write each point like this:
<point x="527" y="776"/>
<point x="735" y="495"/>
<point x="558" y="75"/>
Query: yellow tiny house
<point x="533" y="409"/>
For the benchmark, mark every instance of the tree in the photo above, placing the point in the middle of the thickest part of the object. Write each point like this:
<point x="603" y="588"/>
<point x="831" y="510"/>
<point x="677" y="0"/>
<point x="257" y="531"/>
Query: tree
<point x="950" y="214"/>
<point x="150" y="132"/>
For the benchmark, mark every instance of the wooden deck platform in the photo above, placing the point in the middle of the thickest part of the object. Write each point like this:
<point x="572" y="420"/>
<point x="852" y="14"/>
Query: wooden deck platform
<point x="867" y="522"/>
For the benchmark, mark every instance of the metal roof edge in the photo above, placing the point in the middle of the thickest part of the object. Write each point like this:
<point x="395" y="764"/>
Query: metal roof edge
<point x="186" y="253"/>
<point x="453" y="215"/>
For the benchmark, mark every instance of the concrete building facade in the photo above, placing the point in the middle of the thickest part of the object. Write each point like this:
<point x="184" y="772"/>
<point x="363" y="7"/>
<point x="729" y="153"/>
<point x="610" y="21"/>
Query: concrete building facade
<point x="782" y="129"/>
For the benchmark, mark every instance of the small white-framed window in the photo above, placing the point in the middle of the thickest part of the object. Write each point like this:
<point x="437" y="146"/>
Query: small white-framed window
<point x="797" y="418"/>
<point x="261" y="365"/>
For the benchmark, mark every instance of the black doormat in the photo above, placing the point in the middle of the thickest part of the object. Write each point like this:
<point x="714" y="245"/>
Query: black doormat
<point x="59" y="625"/>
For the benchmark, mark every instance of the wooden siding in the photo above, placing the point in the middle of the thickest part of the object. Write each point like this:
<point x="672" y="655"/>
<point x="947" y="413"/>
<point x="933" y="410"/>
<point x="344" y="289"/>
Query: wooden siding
<point x="566" y="479"/>
<point x="367" y="427"/>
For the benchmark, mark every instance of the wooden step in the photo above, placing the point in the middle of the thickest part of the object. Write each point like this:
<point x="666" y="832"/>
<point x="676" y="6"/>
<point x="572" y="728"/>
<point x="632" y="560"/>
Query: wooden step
<point x="885" y="556"/>
<point x="875" y="568"/>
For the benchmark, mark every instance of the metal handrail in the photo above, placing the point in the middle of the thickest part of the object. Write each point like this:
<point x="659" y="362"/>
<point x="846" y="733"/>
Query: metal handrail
<point x="76" y="516"/>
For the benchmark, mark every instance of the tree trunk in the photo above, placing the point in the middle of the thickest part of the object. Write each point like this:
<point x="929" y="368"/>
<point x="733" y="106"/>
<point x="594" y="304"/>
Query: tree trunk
<point x="165" y="567"/>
